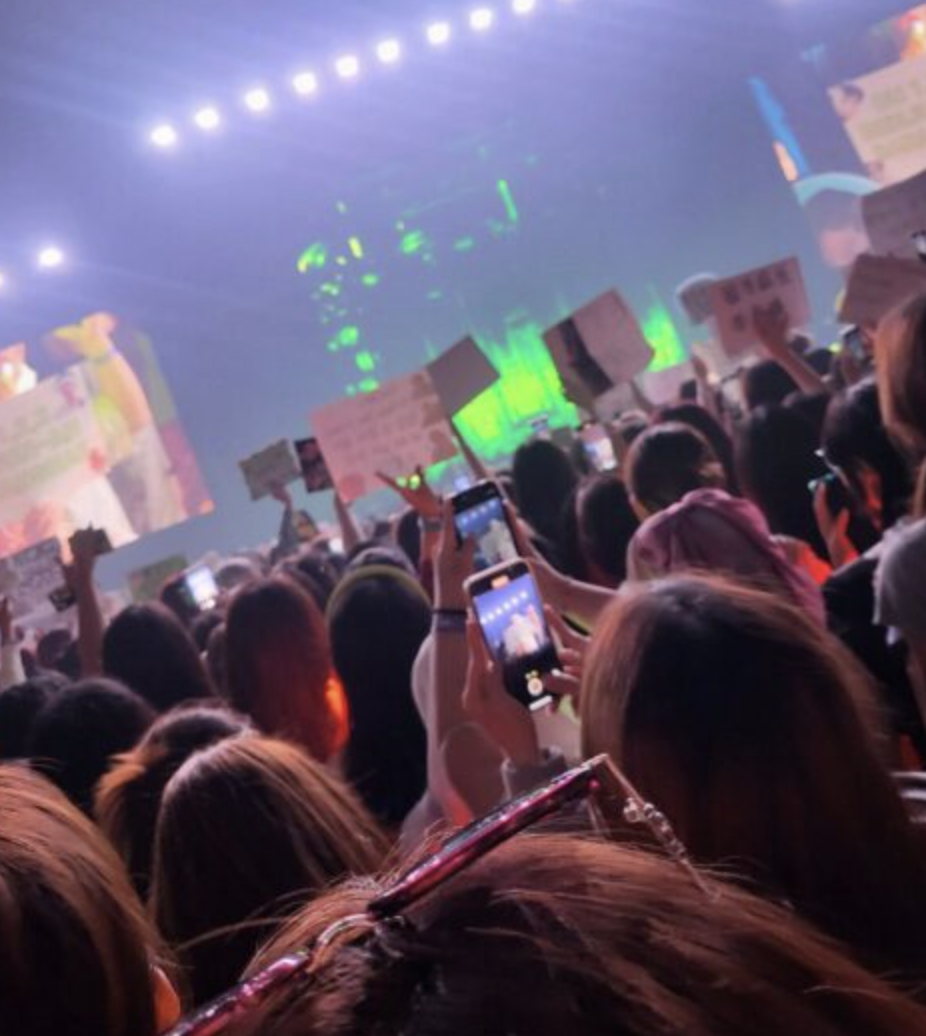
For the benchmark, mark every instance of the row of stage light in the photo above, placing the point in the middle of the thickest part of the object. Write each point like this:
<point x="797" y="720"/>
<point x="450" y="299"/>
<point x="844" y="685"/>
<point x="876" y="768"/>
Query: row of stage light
<point x="47" y="259"/>
<point x="306" y="83"/>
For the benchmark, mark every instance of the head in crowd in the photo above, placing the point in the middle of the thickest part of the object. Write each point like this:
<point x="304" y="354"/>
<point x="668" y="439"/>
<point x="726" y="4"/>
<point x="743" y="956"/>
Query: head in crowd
<point x="216" y="661"/>
<point x="551" y="935"/>
<point x="766" y="383"/>
<point x="313" y="570"/>
<point x="202" y="627"/>
<point x="667" y="462"/>
<point x="148" y="649"/>
<point x="600" y="524"/>
<point x="377" y="552"/>
<point x="249" y="830"/>
<point x="812" y="408"/>
<point x="77" y="955"/>
<point x="856" y="444"/>
<point x="407" y="532"/>
<point x="20" y="705"/>
<point x="703" y="421"/>
<point x="756" y="734"/>
<point x="80" y="729"/>
<point x="51" y="648"/>
<point x="543" y="479"/>
<point x="776" y="462"/>
<point x="279" y="669"/>
<point x="900" y="355"/>
<point x="129" y="796"/>
<point x="377" y="620"/>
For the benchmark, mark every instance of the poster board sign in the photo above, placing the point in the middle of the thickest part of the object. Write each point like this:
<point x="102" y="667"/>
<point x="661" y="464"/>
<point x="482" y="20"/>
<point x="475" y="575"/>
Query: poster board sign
<point x="28" y="577"/>
<point x="273" y="466"/>
<point x="893" y="215"/>
<point x="315" y="474"/>
<point x="145" y="583"/>
<point x="461" y="374"/>
<point x="883" y="116"/>
<point x="734" y="300"/>
<point x="694" y="296"/>
<point x="877" y="284"/>
<point x="393" y="430"/>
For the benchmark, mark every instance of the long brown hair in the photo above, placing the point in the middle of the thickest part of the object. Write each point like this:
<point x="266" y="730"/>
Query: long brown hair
<point x="250" y="829"/>
<point x="279" y="668"/>
<point x="900" y="356"/>
<point x="551" y="935"/>
<point x="755" y="731"/>
<point x="76" y="952"/>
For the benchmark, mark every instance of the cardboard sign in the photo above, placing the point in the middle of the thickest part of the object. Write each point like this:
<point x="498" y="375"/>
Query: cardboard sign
<point x="598" y="348"/>
<point x="145" y="583"/>
<point x="461" y="374"/>
<point x="694" y="296"/>
<point x="315" y="472"/>
<point x="877" y="284"/>
<point x="665" y="386"/>
<point x="893" y="215"/>
<point x="393" y="430"/>
<point x="28" y="577"/>
<point x="273" y="466"/>
<point x="735" y="300"/>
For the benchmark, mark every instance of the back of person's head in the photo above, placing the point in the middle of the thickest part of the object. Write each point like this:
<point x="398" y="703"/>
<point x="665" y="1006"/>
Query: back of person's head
<point x="767" y="383"/>
<point x="19" y="707"/>
<point x="703" y="421"/>
<point x="755" y="731"/>
<point x="599" y="527"/>
<point x="378" y="553"/>
<point x="202" y="626"/>
<point x="776" y="460"/>
<point x="129" y="795"/>
<point x="148" y="649"/>
<point x="856" y="442"/>
<point x="313" y="571"/>
<point x="812" y="407"/>
<point x="378" y="619"/>
<point x="279" y="668"/>
<point x="77" y="956"/>
<point x="543" y="479"/>
<point x="249" y="829"/>
<point x="551" y="935"/>
<point x="79" y="731"/>
<point x="407" y="532"/>
<point x="667" y="462"/>
<point x="900" y="356"/>
<point x="51" y="647"/>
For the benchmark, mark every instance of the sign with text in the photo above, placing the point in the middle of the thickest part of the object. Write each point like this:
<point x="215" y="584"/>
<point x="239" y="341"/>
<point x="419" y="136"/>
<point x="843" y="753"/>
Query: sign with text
<point x="735" y="300"/>
<point x="877" y="284"/>
<point x="273" y="466"/>
<point x="461" y="374"/>
<point x="893" y="215"/>
<point x="393" y="430"/>
<point x="145" y="583"/>
<point x="28" y="577"/>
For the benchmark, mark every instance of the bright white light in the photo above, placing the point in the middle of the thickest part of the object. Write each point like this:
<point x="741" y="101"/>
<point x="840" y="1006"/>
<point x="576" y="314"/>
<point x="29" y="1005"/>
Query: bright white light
<point x="347" y="67"/>
<point x="208" y="118"/>
<point x="389" y="51"/>
<point x="2" y="280"/>
<point x="257" y="100"/>
<point x="438" y="34"/>
<point x="50" y="258"/>
<point x="164" y="136"/>
<point x="523" y="6"/>
<point x="481" y="19"/>
<point x="305" y="83"/>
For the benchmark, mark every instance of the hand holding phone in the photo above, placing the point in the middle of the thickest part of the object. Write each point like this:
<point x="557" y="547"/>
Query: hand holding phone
<point x="199" y="589"/>
<point x="480" y="515"/>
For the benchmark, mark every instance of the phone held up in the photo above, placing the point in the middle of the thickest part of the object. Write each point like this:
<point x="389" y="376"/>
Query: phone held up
<point x="62" y="597"/>
<point x="837" y="496"/>
<point x="480" y="515"/>
<point x="509" y="610"/>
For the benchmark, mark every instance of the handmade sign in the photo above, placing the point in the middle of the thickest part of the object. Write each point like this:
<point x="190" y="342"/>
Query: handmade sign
<point x="145" y="583"/>
<point x="461" y="374"/>
<point x="27" y="578"/>
<point x="877" y="284"/>
<point x="735" y="300"/>
<point x="273" y="466"/>
<point x="393" y="430"/>
<point x="893" y="215"/>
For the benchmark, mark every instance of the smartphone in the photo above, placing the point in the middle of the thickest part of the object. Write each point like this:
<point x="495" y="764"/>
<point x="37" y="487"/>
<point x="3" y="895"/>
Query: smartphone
<point x="598" y="448"/>
<point x="853" y="340"/>
<point x="919" y="243"/>
<point x="101" y="542"/>
<point x="62" y="599"/>
<point x="837" y="496"/>
<point x="315" y="474"/>
<point x="509" y="610"/>
<point x="540" y="426"/>
<point x="199" y="590"/>
<point x="479" y="514"/>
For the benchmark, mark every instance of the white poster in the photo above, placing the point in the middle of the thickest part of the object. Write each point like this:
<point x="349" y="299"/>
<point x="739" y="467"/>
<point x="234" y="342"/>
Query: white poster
<point x="461" y="374"/>
<point x="879" y="283"/>
<point x="28" y="577"/>
<point x="893" y="215"/>
<point x="273" y="466"/>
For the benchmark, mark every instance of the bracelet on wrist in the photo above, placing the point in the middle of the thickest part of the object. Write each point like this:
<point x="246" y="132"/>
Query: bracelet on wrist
<point x="449" y="620"/>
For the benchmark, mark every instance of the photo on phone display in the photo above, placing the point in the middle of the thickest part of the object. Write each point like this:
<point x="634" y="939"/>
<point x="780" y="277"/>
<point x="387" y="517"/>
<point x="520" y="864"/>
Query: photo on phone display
<point x="479" y="514"/>
<point x="598" y="448"/>
<point x="315" y="474"/>
<point x="853" y="339"/>
<point x="509" y="610"/>
<point x="200" y="590"/>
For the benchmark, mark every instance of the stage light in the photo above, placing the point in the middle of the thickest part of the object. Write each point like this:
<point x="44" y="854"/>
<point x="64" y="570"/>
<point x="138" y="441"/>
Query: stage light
<point x="389" y="51"/>
<point x="2" y="280"/>
<point x="347" y="67"/>
<point x="481" y="19"/>
<point x="438" y="34"/>
<point x="208" y="118"/>
<point x="163" y="136"/>
<point x="50" y="258"/>
<point x="305" y="83"/>
<point x="257" y="100"/>
<point x="523" y="6"/>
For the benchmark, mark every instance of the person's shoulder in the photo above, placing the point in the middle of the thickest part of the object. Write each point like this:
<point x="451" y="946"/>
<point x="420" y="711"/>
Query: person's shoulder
<point x="900" y="583"/>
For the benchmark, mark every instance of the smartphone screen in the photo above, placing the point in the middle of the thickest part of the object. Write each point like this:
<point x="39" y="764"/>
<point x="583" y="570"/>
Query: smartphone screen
<point x="853" y="339"/>
<point x="919" y="243"/>
<point x="200" y="588"/>
<point x="509" y="610"/>
<point x="479" y="514"/>
<point x="62" y="599"/>
<point x="598" y="448"/>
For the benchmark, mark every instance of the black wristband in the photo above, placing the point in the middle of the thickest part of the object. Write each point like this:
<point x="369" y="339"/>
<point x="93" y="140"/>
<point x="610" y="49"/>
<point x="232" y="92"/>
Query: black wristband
<point x="449" y="620"/>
